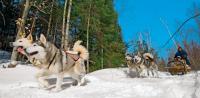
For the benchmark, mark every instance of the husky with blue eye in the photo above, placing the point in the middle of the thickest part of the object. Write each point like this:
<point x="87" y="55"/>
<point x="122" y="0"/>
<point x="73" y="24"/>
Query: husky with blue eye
<point x="58" y="62"/>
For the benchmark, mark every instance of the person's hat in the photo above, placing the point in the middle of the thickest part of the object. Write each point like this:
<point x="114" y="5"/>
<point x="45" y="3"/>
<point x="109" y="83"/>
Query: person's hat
<point x="179" y="46"/>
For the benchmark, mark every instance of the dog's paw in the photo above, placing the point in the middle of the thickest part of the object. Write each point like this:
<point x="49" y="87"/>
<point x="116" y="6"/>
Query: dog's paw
<point x="75" y="83"/>
<point x="143" y="75"/>
<point x="82" y="82"/>
<point x="42" y="87"/>
<point x="57" y="89"/>
<point x="156" y="75"/>
<point x="45" y="85"/>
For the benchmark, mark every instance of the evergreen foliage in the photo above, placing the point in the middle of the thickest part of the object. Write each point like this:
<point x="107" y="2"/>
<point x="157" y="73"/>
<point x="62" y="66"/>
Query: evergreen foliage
<point x="104" y="32"/>
<point x="106" y="47"/>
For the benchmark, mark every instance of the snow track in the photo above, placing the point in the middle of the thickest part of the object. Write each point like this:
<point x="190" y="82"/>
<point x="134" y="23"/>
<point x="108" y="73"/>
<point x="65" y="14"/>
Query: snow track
<point x="20" y="82"/>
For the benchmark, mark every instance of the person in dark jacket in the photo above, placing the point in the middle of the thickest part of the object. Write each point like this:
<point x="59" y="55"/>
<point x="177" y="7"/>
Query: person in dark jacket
<point x="183" y="54"/>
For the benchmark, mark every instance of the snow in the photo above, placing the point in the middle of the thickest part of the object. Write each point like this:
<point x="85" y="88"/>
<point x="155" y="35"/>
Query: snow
<point x="20" y="82"/>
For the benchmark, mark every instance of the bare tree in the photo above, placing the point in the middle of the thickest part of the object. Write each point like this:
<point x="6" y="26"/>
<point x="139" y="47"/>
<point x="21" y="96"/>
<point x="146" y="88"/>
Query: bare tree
<point x="88" y="27"/>
<point x="67" y="25"/>
<point x="20" y="24"/>
<point x="63" y="25"/>
<point x="50" y="18"/>
<point x="65" y="28"/>
<point x="2" y="15"/>
<point x="192" y="46"/>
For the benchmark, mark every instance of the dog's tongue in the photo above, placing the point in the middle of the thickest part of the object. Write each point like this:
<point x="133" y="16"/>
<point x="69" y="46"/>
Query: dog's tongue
<point x="20" y="49"/>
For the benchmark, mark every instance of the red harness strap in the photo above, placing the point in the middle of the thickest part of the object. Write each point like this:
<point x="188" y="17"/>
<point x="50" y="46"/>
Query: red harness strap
<point x="74" y="56"/>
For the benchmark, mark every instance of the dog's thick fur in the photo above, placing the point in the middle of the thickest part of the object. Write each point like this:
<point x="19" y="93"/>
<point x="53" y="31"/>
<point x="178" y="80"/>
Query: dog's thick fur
<point x="136" y="64"/>
<point x="151" y="65"/>
<point x="144" y="66"/>
<point x="21" y="44"/>
<point x="56" y="61"/>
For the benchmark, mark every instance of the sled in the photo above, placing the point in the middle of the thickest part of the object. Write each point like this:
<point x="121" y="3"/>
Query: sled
<point x="178" y="67"/>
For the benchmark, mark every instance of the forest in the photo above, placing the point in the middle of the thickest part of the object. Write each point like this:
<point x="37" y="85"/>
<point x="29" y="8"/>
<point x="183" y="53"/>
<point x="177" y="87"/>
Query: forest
<point x="93" y="22"/>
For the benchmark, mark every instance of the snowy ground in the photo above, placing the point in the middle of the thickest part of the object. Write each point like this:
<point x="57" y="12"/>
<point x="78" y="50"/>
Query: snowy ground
<point x="19" y="82"/>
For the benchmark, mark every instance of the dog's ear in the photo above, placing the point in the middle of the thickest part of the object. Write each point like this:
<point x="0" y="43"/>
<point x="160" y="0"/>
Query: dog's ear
<point x="43" y="39"/>
<point x="139" y="54"/>
<point x="30" y="38"/>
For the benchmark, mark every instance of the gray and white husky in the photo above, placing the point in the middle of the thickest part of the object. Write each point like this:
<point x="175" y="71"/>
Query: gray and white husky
<point x="58" y="62"/>
<point x="136" y="66"/>
<point x="152" y="67"/>
<point x="144" y="66"/>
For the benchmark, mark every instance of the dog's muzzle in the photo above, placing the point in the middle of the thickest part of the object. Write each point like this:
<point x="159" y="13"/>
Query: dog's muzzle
<point x="135" y="60"/>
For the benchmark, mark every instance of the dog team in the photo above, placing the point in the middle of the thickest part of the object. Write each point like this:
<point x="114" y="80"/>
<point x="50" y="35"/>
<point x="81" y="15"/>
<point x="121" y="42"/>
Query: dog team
<point x="51" y="60"/>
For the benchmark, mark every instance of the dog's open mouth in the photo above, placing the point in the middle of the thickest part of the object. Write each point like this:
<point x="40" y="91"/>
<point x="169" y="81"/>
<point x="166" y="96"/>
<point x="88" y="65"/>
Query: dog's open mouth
<point x="20" y="48"/>
<point x="33" y="53"/>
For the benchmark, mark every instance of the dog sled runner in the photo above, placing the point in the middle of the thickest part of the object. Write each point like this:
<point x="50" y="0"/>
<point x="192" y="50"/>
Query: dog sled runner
<point x="178" y="67"/>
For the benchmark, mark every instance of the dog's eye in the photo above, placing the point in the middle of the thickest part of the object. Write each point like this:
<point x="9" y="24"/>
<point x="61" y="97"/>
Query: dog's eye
<point x="20" y="41"/>
<point x="34" y="45"/>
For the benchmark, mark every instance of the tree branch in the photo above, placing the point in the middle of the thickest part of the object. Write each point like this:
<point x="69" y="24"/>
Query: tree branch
<point x="39" y="9"/>
<point x="4" y="22"/>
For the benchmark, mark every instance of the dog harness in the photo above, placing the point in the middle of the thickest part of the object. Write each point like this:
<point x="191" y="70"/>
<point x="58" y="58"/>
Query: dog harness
<point x="52" y="59"/>
<point x="141" y="61"/>
<point x="74" y="56"/>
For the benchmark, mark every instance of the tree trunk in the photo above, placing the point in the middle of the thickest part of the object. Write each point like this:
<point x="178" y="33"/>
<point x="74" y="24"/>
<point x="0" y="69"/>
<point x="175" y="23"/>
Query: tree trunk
<point x="67" y="25"/>
<point x="55" y="31"/>
<point x="33" y="25"/>
<point x="63" y="25"/>
<point x="88" y="26"/>
<point x="20" y="29"/>
<point x="4" y="22"/>
<point x="50" y="19"/>
<point x="102" y="58"/>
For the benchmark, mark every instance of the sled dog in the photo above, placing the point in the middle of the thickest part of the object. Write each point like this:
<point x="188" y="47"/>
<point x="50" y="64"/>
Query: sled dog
<point x="58" y="62"/>
<point x="136" y="64"/>
<point x="21" y="44"/>
<point x="144" y="66"/>
<point x="151" y="65"/>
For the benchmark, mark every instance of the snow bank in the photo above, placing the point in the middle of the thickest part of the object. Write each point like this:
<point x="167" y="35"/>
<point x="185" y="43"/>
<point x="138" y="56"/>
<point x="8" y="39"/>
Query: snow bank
<point x="19" y="82"/>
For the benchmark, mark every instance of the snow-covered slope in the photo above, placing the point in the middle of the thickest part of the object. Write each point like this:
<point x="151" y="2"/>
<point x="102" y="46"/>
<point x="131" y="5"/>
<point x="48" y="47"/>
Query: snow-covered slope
<point x="19" y="82"/>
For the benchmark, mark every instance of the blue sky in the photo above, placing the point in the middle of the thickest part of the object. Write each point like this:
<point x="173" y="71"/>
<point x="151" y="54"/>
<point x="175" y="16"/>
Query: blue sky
<point x="146" y="15"/>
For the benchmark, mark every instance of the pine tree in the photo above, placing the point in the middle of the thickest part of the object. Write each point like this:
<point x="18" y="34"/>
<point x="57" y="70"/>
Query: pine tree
<point x="105" y="43"/>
